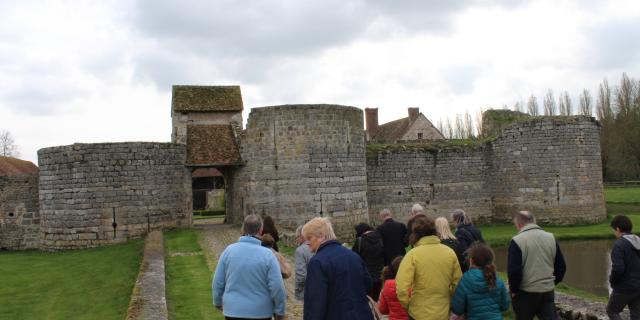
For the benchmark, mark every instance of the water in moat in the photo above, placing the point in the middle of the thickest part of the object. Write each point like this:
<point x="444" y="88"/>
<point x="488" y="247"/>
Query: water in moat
<point x="588" y="264"/>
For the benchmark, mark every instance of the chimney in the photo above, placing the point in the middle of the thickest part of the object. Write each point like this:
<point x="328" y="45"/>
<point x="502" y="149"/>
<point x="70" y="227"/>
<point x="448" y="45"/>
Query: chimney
<point x="371" y="120"/>
<point x="413" y="113"/>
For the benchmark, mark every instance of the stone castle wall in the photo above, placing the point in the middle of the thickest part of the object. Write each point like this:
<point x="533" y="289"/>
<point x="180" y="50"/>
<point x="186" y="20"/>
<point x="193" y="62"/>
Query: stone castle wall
<point x="301" y="161"/>
<point x="19" y="213"/>
<point x="550" y="166"/>
<point x="439" y="180"/>
<point x="147" y="184"/>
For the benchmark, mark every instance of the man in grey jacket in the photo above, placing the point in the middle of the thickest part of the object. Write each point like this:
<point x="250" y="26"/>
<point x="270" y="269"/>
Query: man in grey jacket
<point x="303" y="255"/>
<point x="534" y="266"/>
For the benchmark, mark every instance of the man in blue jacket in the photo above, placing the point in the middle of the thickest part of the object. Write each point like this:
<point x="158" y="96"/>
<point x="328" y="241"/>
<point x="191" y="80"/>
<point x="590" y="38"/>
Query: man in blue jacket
<point x="337" y="279"/>
<point x="247" y="283"/>
<point x="625" y="270"/>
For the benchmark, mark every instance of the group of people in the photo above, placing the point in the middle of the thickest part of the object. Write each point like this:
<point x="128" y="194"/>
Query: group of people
<point x="444" y="275"/>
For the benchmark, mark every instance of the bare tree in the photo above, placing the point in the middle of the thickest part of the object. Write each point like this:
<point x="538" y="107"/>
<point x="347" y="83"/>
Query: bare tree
<point x="518" y="106"/>
<point x="468" y="125"/>
<point x="585" y="103"/>
<point x="441" y="126"/>
<point x="564" y="102"/>
<point x="8" y="147"/>
<point x="603" y="105"/>
<point x="479" y="123"/>
<point x="448" y="128"/>
<point x="549" y="104"/>
<point x="459" y="127"/>
<point x="532" y="105"/>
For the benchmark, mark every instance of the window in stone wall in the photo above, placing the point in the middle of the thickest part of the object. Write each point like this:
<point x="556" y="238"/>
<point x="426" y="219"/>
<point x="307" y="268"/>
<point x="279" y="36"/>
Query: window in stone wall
<point x="419" y="135"/>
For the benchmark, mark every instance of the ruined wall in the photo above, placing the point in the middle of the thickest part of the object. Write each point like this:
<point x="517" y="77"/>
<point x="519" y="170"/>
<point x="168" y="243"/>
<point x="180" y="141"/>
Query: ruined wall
<point x="147" y="184"/>
<point x="302" y="160"/>
<point x="551" y="166"/>
<point x="440" y="180"/>
<point x="19" y="214"/>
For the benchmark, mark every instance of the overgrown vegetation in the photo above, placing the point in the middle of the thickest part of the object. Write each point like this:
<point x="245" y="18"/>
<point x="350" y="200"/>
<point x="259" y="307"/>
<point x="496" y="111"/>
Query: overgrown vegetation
<point x="188" y="278"/>
<point x="80" y="284"/>
<point x="428" y="146"/>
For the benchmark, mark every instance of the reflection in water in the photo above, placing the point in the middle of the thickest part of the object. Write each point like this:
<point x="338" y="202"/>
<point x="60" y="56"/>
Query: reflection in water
<point x="588" y="264"/>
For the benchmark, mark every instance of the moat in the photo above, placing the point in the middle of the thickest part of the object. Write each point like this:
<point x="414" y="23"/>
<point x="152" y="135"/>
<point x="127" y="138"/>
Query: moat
<point x="588" y="264"/>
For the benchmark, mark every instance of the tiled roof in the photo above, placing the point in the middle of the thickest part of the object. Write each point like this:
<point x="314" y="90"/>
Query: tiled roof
<point x="206" y="98"/>
<point x="10" y="166"/>
<point x="392" y="131"/>
<point x="212" y="145"/>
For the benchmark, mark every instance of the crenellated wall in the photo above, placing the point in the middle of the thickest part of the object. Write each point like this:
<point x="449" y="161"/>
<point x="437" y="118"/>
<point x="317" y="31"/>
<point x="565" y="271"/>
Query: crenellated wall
<point x="301" y="161"/>
<point x="19" y="213"/>
<point x="81" y="186"/>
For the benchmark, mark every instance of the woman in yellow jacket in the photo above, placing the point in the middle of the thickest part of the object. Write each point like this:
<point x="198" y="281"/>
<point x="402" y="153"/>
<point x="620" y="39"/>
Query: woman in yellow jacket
<point x="428" y="274"/>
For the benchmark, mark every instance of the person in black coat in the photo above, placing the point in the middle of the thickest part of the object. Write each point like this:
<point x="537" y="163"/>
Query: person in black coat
<point x="394" y="235"/>
<point x="368" y="246"/>
<point x="337" y="280"/>
<point x="466" y="233"/>
<point x="625" y="270"/>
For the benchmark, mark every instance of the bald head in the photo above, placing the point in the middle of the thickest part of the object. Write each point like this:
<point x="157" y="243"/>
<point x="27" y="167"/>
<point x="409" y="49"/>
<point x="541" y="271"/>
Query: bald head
<point x="523" y="218"/>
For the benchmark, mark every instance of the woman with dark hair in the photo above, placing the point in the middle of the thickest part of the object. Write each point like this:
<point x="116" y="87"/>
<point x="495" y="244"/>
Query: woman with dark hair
<point x="480" y="294"/>
<point x="430" y="270"/>
<point x="388" y="303"/>
<point x="369" y="247"/>
<point x="270" y="228"/>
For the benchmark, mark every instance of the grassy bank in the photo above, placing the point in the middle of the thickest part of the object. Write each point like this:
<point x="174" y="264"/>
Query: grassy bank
<point x="622" y="194"/>
<point x="188" y="278"/>
<point x="79" y="284"/>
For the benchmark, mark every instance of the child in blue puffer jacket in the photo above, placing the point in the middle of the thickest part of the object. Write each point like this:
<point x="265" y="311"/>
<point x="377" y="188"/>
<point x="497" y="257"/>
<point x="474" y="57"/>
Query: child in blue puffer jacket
<point x="480" y="294"/>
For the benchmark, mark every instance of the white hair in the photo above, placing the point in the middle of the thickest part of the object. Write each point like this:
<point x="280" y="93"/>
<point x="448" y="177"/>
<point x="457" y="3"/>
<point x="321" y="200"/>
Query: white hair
<point x="417" y="208"/>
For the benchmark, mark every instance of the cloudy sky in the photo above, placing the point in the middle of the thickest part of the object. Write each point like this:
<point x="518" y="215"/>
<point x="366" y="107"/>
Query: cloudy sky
<point x="98" y="71"/>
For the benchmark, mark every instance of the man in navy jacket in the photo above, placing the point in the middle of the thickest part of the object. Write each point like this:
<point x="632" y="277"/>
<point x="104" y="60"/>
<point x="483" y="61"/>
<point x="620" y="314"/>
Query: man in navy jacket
<point x="337" y="279"/>
<point x="625" y="270"/>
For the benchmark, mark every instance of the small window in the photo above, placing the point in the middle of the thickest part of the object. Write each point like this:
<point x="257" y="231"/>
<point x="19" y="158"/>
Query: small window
<point x="419" y="135"/>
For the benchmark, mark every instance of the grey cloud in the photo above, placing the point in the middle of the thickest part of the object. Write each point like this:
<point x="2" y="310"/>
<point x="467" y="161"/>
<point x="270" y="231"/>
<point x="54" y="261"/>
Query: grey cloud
<point x="461" y="79"/>
<point x="612" y="45"/>
<point x="247" y="38"/>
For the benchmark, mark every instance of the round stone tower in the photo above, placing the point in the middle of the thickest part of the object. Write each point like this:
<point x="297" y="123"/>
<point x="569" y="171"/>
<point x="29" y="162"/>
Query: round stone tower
<point x="102" y="193"/>
<point x="302" y="161"/>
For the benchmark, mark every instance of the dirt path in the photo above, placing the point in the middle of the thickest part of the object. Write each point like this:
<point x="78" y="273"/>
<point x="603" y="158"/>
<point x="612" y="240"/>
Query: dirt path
<point x="215" y="237"/>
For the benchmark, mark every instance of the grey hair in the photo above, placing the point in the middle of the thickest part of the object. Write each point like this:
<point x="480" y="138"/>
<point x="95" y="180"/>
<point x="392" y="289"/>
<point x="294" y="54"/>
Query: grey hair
<point x="252" y="225"/>
<point x="458" y="216"/>
<point x="417" y="208"/>
<point x="524" y="218"/>
<point x="385" y="213"/>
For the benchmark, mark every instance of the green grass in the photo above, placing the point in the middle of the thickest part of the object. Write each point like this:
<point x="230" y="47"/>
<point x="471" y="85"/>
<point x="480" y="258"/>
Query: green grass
<point x="501" y="234"/>
<point x="188" y="278"/>
<point x="80" y="284"/>
<point x="622" y="195"/>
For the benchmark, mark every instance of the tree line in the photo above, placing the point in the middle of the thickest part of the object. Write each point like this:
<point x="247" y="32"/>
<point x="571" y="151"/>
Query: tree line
<point x="617" y="109"/>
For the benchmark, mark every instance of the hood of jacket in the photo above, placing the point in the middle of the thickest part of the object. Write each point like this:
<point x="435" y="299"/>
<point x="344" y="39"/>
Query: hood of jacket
<point x="635" y="240"/>
<point x="477" y="282"/>
<point x="372" y="237"/>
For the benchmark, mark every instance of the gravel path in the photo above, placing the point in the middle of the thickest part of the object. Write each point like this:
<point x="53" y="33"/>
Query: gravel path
<point x="214" y="238"/>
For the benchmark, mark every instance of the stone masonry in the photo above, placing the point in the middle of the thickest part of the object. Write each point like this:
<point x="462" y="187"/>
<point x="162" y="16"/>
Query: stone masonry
<point x="439" y="179"/>
<point x="82" y="185"/>
<point x="302" y="161"/>
<point x="548" y="165"/>
<point x="19" y="213"/>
